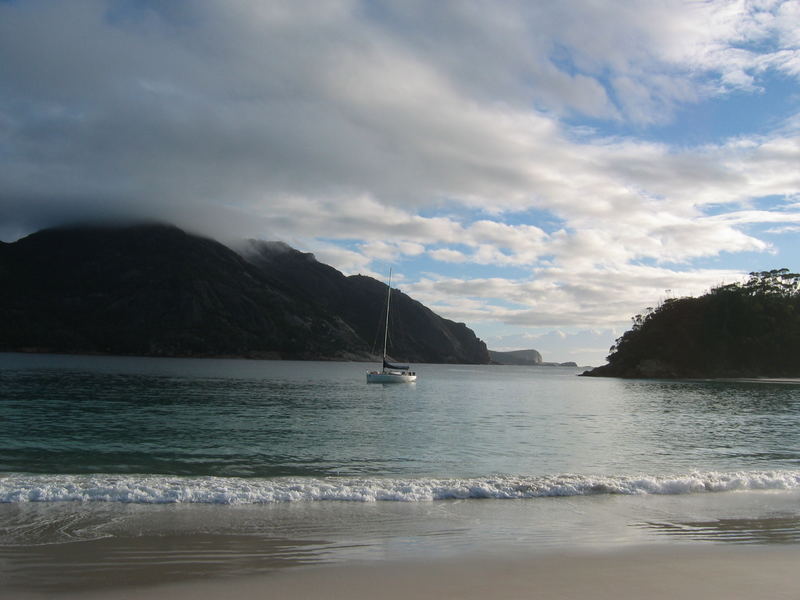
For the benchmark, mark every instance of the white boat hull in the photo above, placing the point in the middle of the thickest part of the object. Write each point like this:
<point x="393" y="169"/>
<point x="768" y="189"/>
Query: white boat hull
<point x="391" y="377"/>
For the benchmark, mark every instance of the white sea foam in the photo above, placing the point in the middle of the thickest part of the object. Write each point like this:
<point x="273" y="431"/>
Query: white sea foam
<point x="160" y="489"/>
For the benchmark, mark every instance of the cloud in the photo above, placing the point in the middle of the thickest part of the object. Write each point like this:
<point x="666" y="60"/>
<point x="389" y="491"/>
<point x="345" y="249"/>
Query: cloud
<point x="247" y="103"/>
<point x="784" y="229"/>
<point x="447" y="255"/>
<point x="557" y="297"/>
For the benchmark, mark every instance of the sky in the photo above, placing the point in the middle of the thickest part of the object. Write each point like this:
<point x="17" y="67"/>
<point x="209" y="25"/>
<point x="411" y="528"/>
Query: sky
<point x="542" y="171"/>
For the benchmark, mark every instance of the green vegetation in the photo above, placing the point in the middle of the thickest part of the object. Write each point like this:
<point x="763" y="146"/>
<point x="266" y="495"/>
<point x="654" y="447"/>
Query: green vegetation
<point x="749" y="329"/>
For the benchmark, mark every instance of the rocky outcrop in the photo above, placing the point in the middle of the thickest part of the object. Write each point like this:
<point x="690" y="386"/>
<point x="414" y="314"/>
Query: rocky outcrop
<point x="516" y="357"/>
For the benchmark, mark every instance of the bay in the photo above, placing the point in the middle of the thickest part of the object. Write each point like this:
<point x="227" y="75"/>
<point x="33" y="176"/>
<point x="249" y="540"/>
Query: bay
<point x="239" y="418"/>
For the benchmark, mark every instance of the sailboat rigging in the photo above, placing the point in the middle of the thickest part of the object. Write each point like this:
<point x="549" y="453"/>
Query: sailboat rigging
<point x="390" y="373"/>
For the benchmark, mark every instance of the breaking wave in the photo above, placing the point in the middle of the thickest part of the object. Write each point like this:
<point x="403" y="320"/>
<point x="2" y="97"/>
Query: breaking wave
<point x="161" y="489"/>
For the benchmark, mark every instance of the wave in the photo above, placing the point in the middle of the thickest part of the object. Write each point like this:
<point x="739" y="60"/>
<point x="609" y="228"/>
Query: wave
<point x="162" y="489"/>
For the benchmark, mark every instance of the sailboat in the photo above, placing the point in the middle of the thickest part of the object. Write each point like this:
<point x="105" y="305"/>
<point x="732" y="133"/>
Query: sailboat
<point x="390" y="373"/>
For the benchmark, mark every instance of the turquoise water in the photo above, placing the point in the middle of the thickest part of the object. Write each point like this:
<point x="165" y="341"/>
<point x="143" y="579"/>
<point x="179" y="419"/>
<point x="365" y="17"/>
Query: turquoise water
<point x="263" y="419"/>
<point x="310" y="461"/>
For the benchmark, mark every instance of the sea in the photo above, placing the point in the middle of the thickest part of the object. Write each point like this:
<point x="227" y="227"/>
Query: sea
<point x="137" y="469"/>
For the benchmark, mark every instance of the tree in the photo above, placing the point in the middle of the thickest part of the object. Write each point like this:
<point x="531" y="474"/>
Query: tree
<point x="739" y="329"/>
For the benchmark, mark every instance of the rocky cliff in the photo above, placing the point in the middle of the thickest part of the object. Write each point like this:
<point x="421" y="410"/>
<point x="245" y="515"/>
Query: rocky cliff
<point x="516" y="357"/>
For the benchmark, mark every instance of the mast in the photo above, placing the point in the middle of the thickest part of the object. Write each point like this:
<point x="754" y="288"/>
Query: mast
<point x="386" y="328"/>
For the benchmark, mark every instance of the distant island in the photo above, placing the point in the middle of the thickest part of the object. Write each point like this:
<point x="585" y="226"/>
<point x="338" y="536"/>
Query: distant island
<point x="155" y="290"/>
<point x="749" y="329"/>
<point x="524" y="358"/>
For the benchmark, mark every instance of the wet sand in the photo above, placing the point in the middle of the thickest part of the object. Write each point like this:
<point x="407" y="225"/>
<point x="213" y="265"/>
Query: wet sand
<point x="713" y="572"/>
<point x="737" y="545"/>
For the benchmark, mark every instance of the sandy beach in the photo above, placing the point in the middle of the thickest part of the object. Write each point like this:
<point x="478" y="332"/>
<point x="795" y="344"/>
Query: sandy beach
<point x="663" y="573"/>
<point x="728" y="545"/>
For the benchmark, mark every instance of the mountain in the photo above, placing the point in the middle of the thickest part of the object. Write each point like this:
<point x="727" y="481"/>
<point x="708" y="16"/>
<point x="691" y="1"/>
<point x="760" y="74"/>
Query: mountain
<point x="749" y="329"/>
<point x="157" y="290"/>
<point x="516" y="357"/>
<point x="420" y="334"/>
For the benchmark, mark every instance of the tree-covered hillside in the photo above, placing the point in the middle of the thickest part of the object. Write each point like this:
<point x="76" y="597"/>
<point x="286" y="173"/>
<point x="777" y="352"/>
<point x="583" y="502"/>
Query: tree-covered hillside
<point x="749" y="329"/>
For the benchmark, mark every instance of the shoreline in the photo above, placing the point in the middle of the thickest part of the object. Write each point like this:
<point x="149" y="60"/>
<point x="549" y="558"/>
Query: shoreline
<point x="747" y="379"/>
<point x="709" y="572"/>
<point x="272" y="356"/>
<point x="561" y="548"/>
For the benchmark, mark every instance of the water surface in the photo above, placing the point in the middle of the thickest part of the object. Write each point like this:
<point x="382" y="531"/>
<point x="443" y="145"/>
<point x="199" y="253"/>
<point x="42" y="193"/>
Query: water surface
<point x="201" y="467"/>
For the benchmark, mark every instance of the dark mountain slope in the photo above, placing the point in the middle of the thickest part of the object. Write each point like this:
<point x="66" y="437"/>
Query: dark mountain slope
<point x="418" y="334"/>
<point x="156" y="290"/>
<point x="153" y="290"/>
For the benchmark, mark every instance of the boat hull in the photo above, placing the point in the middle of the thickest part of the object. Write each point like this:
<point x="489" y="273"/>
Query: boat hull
<point x="390" y="377"/>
